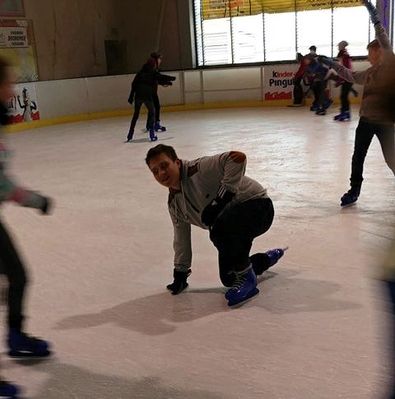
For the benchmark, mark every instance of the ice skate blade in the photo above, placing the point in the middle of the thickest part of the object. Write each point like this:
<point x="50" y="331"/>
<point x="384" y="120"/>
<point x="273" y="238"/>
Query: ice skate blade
<point x="248" y="298"/>
<point x="30" y="356"/>
<point x="348" y="205"/>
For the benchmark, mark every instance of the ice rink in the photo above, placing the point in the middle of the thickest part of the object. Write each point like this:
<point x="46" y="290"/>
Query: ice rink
<point x="99" y="265"/>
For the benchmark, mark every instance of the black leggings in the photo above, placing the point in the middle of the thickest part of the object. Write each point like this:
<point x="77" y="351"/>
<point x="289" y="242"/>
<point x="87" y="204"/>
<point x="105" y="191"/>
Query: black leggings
<point x="345" y="91"/>
<point x="363" y="137"/>
<point x="14" y="270"/>
<point x="151" y="115"/>
<point x="234" y="231"/>
<point x="318" y="88"/>
<point x="298" y="91"/>
<point x="157" y="107"/>
<point x="155" y="100"/>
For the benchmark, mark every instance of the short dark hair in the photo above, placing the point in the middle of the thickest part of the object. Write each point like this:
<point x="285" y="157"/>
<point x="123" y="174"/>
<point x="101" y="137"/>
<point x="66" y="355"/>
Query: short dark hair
<point x="4" y="65"/>
<point x="374" y="44"/>
<point x="161" y="149"/>
<point x="156" y="55"/>
<point x="314" y="48"/>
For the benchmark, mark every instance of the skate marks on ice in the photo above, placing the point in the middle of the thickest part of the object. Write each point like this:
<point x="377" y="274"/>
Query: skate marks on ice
<point x="291" y="294"/>
<point x="157" y="314"/>
<point x="66" y="381"/>
<point x="152" y="315"/>
<point x="160" y="313"/>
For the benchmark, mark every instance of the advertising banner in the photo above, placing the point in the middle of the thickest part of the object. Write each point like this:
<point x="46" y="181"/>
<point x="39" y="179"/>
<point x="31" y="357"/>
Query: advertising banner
<point x="236" y="8"/>
<point x="17" y="46"/>
<point x="278" y="81"/>
<point x="23" y="107"/>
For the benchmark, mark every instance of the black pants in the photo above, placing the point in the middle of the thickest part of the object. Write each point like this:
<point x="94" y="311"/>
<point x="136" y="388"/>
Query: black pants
<point x="12" y="267"/>
<point x="318" y="88"/>
<point x="298" y="91"/>
<point x="157" y="107"/>
<point x="363" y="137"/>
<point x="155" y="100"/>
<point x="391" y="292"/>
<point x="138" y="102"/>
<point x="234" y="231"/>
<point x="345" y="91"/>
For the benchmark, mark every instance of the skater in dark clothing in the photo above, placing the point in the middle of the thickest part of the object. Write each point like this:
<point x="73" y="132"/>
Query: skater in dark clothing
<point x="213" y="193"/>
<point x="318" y="75"/>
<point x="375" y="119"/>
<point x="143" y="92"/>
<point x="19" y="344"/>
<point x="163" y="80"/>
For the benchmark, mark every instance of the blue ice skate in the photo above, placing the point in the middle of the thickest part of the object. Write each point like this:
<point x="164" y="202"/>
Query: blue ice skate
<point x="338" y="116"/>
<point x="321" y="111"/>
<point x="23" y="345"/>
<point x="349" y="198"/>
<point x="345" y="117"/>
<point x="275" y="255"/>
<point x="263" y="261"/>
<point x="152" y="135"/>
<point x="243" y="288"/>
<point x="159" y="128"/>
<point x="8" y="390"/>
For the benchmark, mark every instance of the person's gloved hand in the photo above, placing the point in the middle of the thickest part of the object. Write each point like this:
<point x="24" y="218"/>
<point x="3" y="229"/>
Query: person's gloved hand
<point x="214" y="208"/>
<point x="374" y="15"/>
<point x="325" y="60"/>
<point x="47" y="205"/>
<point x="180" y="281"/>
<point x="32" y="199"/>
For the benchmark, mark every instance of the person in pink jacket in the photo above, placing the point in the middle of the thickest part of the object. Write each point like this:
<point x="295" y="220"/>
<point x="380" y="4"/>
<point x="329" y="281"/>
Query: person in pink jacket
<point x="344" y="58"/>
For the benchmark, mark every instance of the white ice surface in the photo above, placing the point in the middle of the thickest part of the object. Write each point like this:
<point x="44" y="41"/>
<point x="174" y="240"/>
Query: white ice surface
<point x="100" y="263"/>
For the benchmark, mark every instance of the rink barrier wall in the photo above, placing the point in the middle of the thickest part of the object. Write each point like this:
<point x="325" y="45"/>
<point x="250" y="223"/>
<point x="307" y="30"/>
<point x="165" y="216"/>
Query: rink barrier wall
<point x="74" y="100"/>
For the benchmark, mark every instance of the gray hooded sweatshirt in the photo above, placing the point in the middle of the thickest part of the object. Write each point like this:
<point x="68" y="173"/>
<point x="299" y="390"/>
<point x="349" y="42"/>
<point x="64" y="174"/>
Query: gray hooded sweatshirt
<point x="201" y="180"/>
